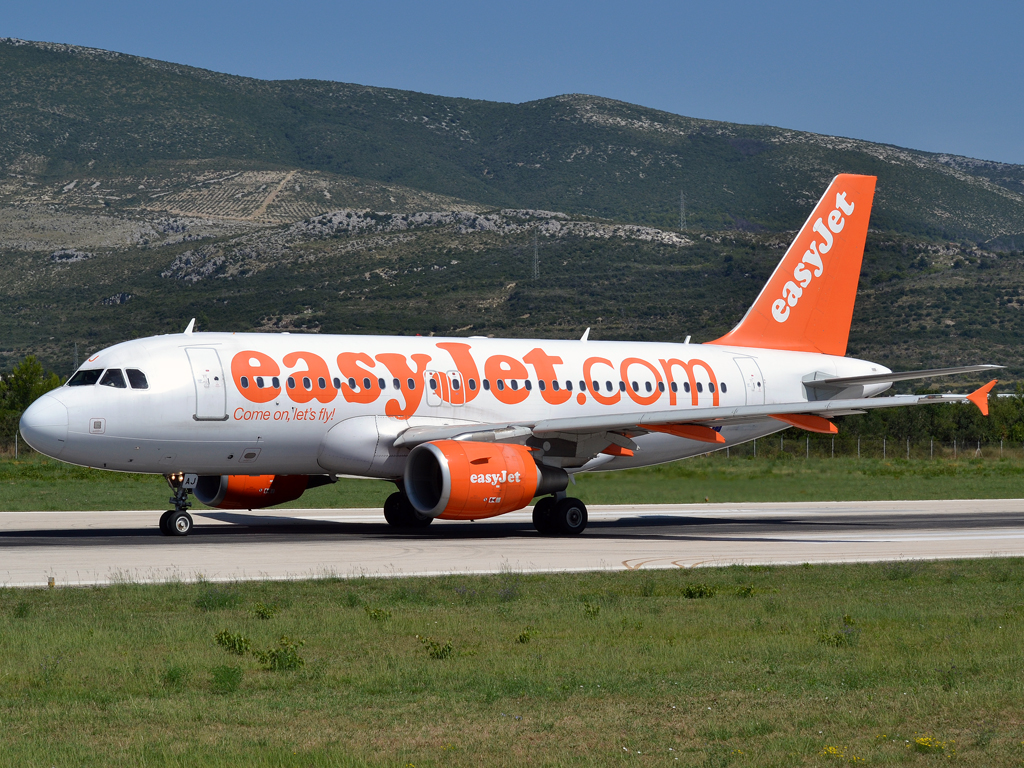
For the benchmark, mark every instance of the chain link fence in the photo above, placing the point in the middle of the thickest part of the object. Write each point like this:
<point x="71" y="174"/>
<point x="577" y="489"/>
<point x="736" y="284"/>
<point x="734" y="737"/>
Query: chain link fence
<point x="853" y="446"/>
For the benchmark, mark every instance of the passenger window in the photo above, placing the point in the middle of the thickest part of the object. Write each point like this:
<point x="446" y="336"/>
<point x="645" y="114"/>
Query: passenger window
<point x="113" y="378"/>
<point x="337" y="383"/>
<point x="396" y="384"/>
<point x="722" y="385"/>
<point x="433" y="384"/>
<point x="487" y="384"/>
<point x="554" y="384"/>
<point x="661" y="386"/>
<point x="259" y="382"/>
<point x="455" y="383"/>
<point x="244" y="381"/>
<point x="276" y="382"/>
<point x="686" y="386"/>
<point x="472" y="385"/>
<point x="137" y="378"/>
<point x="291" y="382"/>
<point x="501" y="384"/>
<point x="568" y="385"/>
<point x="515" y="385"/>
<point x="608" y="386"/>
<point x="597" y="387"/>
<point x="711" y="386"/>
<point x="351" y="383"/>
<point x="322" y="382"/>
<point x="382" y="384"/>
<point x="307" y="384"/>
<point x="622" y="386"/>
<point x="647" y="386"/>
<point x="636" y="387"/>
<point x="700" y="387"/>
<point x="411" y="383"/>
<point x="541" y="384"/>
<point x="85" y="378"/>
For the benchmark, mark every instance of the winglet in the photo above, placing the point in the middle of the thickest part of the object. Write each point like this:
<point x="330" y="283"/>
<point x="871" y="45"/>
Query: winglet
<point x="586" y="335"/>
<point x="980" y="397"/>
<point x="191" y="325"/>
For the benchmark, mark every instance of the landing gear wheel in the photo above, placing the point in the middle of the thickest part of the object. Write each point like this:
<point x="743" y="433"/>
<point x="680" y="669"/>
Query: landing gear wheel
<point x="163" y="522"/>
<point x="570" y="516"/>
<point x="400" y="513"/>
<point x="543" y="516"/>
<point x="179" y="523"/>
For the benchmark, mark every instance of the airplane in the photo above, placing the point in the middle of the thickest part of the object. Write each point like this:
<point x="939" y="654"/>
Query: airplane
<point x="470" y="428"/>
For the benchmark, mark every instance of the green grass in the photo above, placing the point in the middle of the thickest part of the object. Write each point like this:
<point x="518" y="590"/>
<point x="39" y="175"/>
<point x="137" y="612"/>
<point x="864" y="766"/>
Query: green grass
<point x="770" y="667"/>
<point x="38" y="483"/>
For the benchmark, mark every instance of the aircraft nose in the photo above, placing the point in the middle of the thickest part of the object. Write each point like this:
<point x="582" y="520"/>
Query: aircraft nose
<point x="44" y="425"/>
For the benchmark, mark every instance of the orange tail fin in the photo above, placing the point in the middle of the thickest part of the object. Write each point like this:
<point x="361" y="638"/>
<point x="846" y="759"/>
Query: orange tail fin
<point x="807" y="304"/>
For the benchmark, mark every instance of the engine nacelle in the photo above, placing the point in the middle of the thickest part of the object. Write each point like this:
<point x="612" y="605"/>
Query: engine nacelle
<point x="253" y="491"/>
<point x="463" y="480"/>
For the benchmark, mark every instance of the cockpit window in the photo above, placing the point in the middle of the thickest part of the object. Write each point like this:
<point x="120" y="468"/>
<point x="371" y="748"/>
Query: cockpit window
<point x="85" y="377"/>
<point x="113" y="378"/>
<point x="136" y="378"/>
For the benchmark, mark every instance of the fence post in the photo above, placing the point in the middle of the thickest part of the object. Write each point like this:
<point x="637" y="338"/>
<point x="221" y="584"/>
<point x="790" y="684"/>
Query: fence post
<point x="833" y="447"/>
<point x="727" y="451"/>
<point x="954" y="447"/>
<point x="858" y="447"/>
<point x="908" y="449"/>
<point x="808" y="446"/>
<point x="15" y="445"/>
<point x="782" y="444"/>
<point x="755" y="447"/>
<point x="931" y="448"/>
<point x="1000" y="449"/>
<point x="883" y="447"/>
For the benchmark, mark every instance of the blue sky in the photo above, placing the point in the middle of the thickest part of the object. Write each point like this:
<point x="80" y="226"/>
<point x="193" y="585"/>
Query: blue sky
<point x="938" y="76"/>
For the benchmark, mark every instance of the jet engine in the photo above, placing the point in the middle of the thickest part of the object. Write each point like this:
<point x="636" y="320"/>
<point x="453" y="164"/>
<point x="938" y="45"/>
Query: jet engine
<point x="462" y="480"/>
<point x="253" y="491"/>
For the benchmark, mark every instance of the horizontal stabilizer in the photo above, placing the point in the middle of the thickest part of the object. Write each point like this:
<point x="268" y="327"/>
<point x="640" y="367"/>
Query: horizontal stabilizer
<point x="840" y="382"/>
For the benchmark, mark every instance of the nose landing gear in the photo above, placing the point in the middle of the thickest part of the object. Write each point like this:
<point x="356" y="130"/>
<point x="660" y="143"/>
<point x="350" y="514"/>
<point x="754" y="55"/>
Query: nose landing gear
<point x="177" y="521"/>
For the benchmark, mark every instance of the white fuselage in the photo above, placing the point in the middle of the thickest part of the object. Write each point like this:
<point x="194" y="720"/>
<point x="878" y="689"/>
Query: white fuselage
<point x="205" y="412"/>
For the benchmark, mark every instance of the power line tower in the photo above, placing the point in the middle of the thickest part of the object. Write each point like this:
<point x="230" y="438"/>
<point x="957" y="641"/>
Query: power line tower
<point x="536" y="257"/>
<point x="682" y="210"/>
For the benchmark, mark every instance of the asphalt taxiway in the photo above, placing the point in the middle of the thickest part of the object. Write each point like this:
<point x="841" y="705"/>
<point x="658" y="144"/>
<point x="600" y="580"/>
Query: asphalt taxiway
<point x="77" y="548"/>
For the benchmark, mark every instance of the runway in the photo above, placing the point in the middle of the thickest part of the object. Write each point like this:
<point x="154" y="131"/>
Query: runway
<point x="88" y="548"/>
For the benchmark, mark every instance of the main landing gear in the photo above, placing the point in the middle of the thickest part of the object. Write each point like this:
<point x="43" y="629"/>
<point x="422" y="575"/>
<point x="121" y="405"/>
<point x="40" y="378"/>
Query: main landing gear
<point x="400" y="513"/>
<point x="177" y="521"/>
<point x="553" y="516"/>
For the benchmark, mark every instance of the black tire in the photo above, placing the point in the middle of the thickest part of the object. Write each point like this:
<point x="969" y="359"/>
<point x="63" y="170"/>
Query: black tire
<point x="543" y="512"/>
<point x="179" y="523"/>
<point x="570" y="516"/>
<point x="164" y="530"/>
<point x="400" y="513"/>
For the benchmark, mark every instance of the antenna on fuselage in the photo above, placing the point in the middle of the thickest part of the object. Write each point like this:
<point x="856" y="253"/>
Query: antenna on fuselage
<point x="191" y="325"/>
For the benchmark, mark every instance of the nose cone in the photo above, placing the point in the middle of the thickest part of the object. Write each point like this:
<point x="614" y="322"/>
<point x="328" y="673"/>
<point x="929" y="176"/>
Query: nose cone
<point x="44" y="425"/>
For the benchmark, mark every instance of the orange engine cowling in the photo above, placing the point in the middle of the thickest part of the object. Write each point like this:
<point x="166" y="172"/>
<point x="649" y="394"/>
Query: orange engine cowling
<point x="462" y="480"/>
<point x="253" y="491"/>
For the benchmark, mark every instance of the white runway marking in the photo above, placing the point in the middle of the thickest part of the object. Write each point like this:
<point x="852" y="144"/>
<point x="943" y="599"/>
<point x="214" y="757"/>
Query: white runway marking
<point x="78" y="548"/>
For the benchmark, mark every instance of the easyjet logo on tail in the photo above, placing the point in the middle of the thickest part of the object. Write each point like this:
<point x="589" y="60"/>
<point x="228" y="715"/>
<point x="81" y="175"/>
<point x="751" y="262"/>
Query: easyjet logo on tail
<point x="802" y="276"/>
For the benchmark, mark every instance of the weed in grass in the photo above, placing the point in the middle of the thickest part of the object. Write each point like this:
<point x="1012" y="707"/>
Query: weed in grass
<point x="698" y="591"/>
<point x="845" y="636"/>
<point x="747" y="590"/>
<point x="214" y="599"/>
<point x="591" y="610"/>
<point x="51" y="670"/>
<point x="437" y="650"/>
<point x="175" y="677"/>
<point x="352" y="599"/>
<point x="378" y="614"/>
<point x="263" y="611"/>
<point x="22" y="610"/>
<point x="233" y="643"/>
<point x="509" y="589"/>
<point x="900" y="571"/>
<point x="225" y="679"/>
<point x="628" y="623"/>
<point x="525" y="636"/>
<point x="928" y="745"/>
<point x="284" y="658"/>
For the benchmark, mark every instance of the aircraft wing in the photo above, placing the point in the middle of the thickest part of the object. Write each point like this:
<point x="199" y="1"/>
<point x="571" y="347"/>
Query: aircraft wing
<point x="840" y="382"/>
<point x="694" y="423"/>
